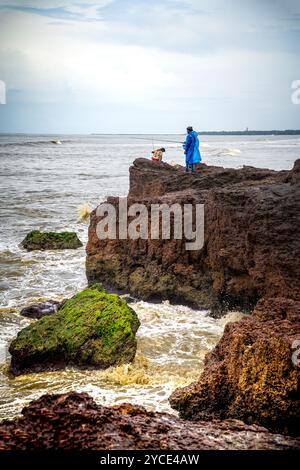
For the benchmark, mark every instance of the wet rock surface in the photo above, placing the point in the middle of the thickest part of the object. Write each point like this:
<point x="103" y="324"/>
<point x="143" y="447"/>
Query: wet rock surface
<point x="74" y="421"/>
<point x="253" y="373"/>
<point x="92" y="329"/>
<point x="251" y="248"/>
<point x="40" y="310"/>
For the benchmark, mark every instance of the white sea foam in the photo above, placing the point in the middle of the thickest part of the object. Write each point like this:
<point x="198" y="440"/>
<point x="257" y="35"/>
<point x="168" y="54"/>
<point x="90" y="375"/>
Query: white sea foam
<point x="172" y="343"/>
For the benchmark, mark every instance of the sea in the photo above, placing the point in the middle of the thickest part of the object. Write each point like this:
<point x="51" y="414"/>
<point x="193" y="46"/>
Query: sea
<point x="47" y="186"/>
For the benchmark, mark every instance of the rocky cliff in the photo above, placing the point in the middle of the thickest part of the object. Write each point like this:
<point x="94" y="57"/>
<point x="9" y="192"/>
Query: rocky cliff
<point x="251" y="241"/>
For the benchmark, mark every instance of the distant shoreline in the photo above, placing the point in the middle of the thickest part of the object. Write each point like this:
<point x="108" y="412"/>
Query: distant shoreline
<point x="246" y="132"/>
<point x="275" y="132"/>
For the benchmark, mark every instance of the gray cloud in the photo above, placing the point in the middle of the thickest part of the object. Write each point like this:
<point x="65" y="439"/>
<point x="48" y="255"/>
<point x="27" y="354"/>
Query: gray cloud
<point x="225" y="63"/>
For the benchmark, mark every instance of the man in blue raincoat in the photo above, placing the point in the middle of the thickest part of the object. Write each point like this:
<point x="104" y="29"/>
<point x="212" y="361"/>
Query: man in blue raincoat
<point x="191" y="150"/>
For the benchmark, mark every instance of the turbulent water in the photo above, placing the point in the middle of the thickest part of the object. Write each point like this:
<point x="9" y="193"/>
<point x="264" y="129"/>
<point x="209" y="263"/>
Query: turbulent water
<point x="43" y="186"/>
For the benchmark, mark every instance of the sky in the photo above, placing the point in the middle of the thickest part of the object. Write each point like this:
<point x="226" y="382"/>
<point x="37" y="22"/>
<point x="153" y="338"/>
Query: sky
<point x="148" y="66"/>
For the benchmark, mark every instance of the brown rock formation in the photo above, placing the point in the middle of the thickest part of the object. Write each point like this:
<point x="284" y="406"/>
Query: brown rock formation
<point x="74" y="422"/>
<point x="252" y="243"/>
<point x="250" y="374"/>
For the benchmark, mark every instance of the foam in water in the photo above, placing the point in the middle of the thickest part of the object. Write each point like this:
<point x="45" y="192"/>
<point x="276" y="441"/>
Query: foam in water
<point x="171" y="345"/>
<point x="84" y="211"/>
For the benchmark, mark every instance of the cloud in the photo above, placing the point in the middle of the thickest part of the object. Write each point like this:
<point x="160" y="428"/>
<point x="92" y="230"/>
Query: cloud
<point x="40" y="4"/>
<point x="74" y="63"/>
<point x="215" y="61"/>
<point x="182" y="26"/>
<point x="85" y="10"/>
<point x="59" y="64"/>
<point x="206" y="26"/>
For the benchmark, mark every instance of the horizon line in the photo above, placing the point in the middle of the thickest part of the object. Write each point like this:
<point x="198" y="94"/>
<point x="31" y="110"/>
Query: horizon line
<point x="247" y="131"/>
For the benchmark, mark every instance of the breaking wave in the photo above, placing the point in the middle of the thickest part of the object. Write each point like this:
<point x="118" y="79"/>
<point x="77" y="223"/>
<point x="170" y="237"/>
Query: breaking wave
<point x="33" y="143"/>
<point x="224" y="151"/>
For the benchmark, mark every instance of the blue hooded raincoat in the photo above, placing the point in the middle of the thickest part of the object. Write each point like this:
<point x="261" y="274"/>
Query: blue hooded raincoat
<point x="191" y="147"/>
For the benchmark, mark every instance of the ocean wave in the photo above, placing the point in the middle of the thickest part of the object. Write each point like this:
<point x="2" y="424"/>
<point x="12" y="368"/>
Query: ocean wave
<point x="32" y="143"/>
<point x="224" y="151"/>
<point x="294" y="142"/>
<point x="230" y="317"/>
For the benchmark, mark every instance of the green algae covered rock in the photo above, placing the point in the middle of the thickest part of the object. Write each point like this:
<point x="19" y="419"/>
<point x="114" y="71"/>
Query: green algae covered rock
<point x="36" y="240"/>
<point x="93" y="328"/>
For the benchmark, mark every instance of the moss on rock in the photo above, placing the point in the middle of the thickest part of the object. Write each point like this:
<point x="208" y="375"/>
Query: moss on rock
<point x="93" y="328"/>
<point x="36" y="240"/>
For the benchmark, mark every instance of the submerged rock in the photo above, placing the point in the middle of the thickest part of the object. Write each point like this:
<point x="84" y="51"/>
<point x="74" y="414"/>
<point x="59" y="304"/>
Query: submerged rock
<point x="74" y="421"/>
<point x="251" y="241"/>
<point x="36" y="240"/>
<point x="93" y="328"/>
<point x="41" y="309"/>
<point x="253" y="373"/>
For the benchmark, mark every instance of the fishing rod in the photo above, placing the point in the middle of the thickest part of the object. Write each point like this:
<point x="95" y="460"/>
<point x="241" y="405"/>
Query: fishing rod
<point x="159" y="140"/>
